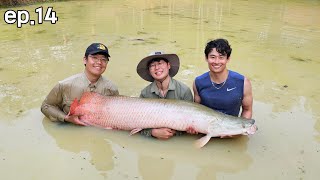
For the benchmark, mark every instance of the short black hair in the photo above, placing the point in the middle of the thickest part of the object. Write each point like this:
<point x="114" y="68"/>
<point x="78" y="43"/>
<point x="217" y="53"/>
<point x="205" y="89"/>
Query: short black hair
<point x="156" y="60"/>
<point x="222" y="46"/>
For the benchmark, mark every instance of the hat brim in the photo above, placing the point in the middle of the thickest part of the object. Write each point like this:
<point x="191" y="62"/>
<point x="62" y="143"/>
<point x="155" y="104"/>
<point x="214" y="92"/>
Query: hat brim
<point x="100" y="52"/>
<point x="143" y="69"/>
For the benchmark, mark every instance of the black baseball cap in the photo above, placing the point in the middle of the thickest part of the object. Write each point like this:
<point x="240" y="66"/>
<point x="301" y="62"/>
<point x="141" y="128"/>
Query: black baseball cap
<point x="97" y="48"/>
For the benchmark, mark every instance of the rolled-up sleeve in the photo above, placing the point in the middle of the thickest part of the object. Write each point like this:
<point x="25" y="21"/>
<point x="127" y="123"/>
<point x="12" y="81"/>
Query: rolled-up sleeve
<point x="146" y="132"/>
<point x="51" y="106"/>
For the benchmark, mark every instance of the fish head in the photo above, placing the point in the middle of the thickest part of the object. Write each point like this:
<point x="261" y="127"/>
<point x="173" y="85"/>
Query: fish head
<point x="235" y="126"/>
<point x="73" y="107"/>
<point x="78" y="109"/>
<point x="249" y="126"/>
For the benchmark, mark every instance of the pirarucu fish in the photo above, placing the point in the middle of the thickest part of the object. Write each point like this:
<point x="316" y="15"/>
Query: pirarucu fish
<point x="135" y="114"/>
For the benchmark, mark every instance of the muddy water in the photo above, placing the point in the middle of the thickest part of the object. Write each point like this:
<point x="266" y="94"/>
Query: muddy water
<point x="275" y="44"/>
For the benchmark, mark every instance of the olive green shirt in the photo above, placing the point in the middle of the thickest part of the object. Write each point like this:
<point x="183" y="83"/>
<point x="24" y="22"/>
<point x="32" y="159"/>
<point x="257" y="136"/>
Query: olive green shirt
<point x="176" y="90"/>
<point x="57" y="104"/>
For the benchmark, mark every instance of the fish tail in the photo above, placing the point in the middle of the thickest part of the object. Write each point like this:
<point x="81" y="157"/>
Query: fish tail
<point x="73" y="107"/>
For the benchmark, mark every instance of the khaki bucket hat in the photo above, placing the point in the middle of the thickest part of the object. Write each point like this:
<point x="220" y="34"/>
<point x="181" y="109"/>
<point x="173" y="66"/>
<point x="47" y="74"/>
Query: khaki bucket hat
<point x="143" y="69"/>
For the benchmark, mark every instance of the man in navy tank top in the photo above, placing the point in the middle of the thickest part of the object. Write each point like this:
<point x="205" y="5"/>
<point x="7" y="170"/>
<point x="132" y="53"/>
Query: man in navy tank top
<point x="222" y="89"/>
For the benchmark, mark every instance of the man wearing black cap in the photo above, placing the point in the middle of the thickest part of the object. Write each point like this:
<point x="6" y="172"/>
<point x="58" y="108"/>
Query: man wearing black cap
<point x="56" y="106"/>
<point x="159" y="68"/>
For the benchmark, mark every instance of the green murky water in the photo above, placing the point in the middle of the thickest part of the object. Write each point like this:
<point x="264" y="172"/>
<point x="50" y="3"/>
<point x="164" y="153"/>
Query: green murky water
<point x="275" y="44"/>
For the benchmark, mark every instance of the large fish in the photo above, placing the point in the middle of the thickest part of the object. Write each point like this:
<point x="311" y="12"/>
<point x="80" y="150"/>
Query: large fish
<point x="135" y="114"/>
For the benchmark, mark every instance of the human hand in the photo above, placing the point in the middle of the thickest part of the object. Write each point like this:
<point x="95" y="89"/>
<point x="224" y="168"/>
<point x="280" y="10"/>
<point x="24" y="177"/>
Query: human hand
<point x="163" y="133"/>
<point x="191" y="130"/>
<point x="74" y="119"/>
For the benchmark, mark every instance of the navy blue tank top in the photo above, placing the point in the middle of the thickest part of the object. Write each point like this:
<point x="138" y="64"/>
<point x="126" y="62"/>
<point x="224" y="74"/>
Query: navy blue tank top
<point x="227" y="99"/>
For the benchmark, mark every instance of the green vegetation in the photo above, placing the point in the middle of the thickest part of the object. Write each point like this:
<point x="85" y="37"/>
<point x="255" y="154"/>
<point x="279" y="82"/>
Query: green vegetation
<point x="11" y="3"/>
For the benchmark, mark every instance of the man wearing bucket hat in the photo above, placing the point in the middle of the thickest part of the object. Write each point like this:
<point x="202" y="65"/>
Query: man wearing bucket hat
<point x="56" y="106"/>
<point x="159" y="68"/>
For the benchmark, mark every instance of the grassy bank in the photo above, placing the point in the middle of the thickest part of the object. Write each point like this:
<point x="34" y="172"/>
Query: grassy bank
<point x="11" y="3"/>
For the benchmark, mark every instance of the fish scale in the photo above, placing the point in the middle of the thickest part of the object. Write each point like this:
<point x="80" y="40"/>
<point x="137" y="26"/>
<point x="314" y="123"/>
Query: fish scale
<point x="135" y="114"/>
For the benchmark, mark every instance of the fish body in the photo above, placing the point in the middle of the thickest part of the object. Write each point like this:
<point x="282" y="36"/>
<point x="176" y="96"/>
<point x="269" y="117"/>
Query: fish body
<point x="134" y="114"/>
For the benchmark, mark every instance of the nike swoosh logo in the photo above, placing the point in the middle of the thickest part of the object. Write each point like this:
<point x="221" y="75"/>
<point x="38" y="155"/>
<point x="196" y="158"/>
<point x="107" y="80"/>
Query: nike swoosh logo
<point x="231" y="89"/>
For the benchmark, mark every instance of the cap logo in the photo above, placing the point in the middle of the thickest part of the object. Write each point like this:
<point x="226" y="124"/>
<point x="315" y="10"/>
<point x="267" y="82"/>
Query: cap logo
<point x="102" y="47"/>
<point x="157" y="53"/>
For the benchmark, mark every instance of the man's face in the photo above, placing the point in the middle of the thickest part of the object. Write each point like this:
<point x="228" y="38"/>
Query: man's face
<point x="216" y="61"/>
<point x="159" y="70"/>
<point x="96" y="64"/>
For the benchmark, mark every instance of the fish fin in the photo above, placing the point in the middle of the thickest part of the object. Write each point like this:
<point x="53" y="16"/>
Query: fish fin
<point x="73" y="107"/>
<point x="135" y="131"/>
<point x="86" y="123"/>
<point x="202" y="141"/>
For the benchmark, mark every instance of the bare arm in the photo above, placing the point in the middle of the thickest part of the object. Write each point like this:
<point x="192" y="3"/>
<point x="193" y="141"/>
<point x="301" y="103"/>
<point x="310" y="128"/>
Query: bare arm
<point x="247" y="100"/>
<point x="246" y="104"/>
<point x="197" y="98"/>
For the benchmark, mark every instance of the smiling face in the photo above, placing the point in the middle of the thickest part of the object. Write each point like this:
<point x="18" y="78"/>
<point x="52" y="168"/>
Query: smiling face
<point x="95" y="64"/>
<point x="159" y="70"/>
<point x="216" y="61"/>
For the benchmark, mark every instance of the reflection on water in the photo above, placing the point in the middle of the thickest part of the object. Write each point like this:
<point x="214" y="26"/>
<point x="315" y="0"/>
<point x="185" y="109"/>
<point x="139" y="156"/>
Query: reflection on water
<point x="148" y="154"/>
<point x="164" y="168"/>
<point x="203" y="164"/>
<point x="77" y="139"/>
<point x="275" y="44"/>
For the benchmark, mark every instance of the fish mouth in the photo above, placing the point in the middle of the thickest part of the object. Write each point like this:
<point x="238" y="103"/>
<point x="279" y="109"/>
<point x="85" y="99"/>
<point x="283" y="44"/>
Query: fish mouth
<point x="252" y="129"/>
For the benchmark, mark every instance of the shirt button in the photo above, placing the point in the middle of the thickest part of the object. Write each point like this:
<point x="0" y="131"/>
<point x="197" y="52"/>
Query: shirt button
<point x="92" y="88"/>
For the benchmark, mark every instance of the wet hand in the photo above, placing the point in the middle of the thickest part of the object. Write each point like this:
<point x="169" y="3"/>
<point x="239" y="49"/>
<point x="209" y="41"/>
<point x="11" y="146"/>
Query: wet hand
<point x="74" y="119"/>
<point x="191" y="130"/>
<point x="163" y="133"/>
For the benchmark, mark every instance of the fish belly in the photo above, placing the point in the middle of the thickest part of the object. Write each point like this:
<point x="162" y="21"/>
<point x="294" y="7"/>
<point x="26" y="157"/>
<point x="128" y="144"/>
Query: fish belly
<point x="127" y="113"/>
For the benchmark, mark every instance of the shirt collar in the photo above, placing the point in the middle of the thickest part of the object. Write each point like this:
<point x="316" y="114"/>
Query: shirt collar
<point x="154" y="87"/>
<point x="88" y="83"/>
<point x="171" y="85"/>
